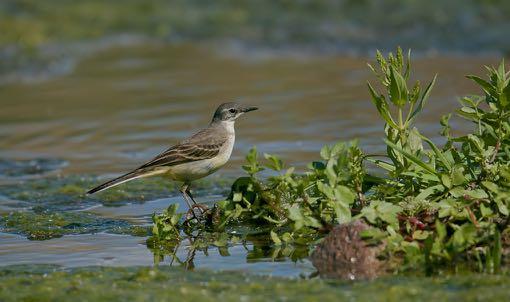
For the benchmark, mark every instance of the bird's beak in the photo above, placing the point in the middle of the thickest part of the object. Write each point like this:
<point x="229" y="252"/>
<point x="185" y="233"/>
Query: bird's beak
<point x="248" y="109"/>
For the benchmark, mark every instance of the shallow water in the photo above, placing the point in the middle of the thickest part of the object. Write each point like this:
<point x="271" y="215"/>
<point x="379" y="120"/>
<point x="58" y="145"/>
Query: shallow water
<point x="124" y="250"/>
<point x="122" y="106"/>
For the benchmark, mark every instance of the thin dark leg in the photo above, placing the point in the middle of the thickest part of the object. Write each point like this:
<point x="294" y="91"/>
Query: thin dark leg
<point x="200" y="207"/>
<point x="188" y="191"/>
<point x="192" y="204"/>
<point x="187" y="198"/>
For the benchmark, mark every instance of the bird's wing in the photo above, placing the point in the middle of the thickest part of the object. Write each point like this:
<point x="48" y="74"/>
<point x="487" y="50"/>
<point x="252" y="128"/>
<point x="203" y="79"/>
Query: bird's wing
<point x="203" y="145"/>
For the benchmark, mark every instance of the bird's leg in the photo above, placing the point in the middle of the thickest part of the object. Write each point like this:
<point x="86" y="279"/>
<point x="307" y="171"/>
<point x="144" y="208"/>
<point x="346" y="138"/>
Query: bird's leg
<point x="188" y="199"/>
<point x="189" y="264"/>
<point x="203" y="208"/>
<point x="188" y="191"/>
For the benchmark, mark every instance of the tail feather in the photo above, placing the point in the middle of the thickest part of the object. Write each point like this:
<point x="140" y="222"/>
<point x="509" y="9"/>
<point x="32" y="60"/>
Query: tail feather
<point x="121" y="179"/>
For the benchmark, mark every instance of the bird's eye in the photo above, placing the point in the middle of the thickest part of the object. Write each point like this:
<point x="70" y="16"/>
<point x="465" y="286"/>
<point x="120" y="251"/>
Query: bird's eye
<point x="232" y="110"/>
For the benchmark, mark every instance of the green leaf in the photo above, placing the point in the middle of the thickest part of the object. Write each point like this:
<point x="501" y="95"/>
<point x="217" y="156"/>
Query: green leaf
<point x="414" y="140"/>
<point x="326" y="189"/>
<point x="485" y="211"/>
<point x="503" y="209"/>
<point x="275" y="238"/>
<point x="421" y="235"/>
<point x="342" y="213"/>
<point x="251" y="157"/>
<point x="429" y="191"/>
<point x="312" y="222"/>
<point x="326" y="152"/>
<point x="445" y="123"/>
<point x="275" y="163"/>
<point x="486" y="86"/>
<point x="373" y="233"/>
<point x="370" y="214"/>
<point x="398" y="88"/>
<point x="424" y="98"/>
<point x="382" y="164"/>
<point x="381" y="106"/>
<point x="295" y="214"/>
<point x="440" y="230"/>
<point x="458" y="177"/>
<point x="459" y="192"/>
<point x="382" y="210"/>
<point x="446" y="180"/>
<point x="423" y="176"/>
<point x="505" y="97"/>
<point x="388" y="213"/>
<point x="491" y="186"/>
<point x="237" y="196"/>
<point x="253" y="165"/>
<point x="287" y="237"/>
<point x="438" y="153"/>
<point x="344" y="195"/>
<point x="464" y="236"/>
<point x="338" y="149"/>
<point x="412" y="158"/>
<point x="407" y="72"/>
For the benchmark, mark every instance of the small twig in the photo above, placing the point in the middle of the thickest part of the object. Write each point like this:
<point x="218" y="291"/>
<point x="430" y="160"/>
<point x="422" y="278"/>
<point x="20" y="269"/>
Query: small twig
<point x="496" y="150"/>
<point x="472" y="216"/>
<point x="361" y="198"/>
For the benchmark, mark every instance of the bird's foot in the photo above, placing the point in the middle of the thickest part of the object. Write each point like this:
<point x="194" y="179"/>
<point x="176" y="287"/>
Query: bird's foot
<point x="198" y="212"/>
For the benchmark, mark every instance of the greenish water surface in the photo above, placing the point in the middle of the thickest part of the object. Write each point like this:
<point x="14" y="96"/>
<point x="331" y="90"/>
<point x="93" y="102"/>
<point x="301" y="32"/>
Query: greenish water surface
<point x="47" y="283"/>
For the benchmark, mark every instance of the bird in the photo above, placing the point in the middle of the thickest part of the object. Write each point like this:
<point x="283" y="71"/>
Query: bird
<point x="195" y="157"/>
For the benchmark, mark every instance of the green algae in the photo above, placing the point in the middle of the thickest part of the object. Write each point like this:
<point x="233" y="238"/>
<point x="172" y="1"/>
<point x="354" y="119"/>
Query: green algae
<point x="68" y="193"/>
<point x="21" y="283"/>
<point x="46" y="225"/>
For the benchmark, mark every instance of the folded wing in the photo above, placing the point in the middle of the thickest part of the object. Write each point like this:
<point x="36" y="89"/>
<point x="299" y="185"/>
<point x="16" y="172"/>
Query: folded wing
<point x="203" y="145"/>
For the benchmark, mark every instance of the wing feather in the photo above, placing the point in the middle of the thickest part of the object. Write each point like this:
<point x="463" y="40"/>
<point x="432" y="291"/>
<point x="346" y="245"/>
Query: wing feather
<point x="203" y="145"/>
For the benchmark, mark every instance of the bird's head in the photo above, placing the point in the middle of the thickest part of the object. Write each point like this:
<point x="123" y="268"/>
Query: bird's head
<point x="229" y="112"/>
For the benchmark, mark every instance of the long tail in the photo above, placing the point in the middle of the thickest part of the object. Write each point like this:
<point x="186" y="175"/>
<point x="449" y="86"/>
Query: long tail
<point x="122" y="179"/>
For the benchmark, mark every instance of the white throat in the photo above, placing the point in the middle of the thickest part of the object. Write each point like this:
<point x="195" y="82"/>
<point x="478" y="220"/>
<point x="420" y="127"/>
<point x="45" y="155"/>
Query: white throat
<point x="229" y="126"/>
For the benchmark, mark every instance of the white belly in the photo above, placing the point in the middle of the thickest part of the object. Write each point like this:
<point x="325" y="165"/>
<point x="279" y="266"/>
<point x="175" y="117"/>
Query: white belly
<point x="198" y="169"/>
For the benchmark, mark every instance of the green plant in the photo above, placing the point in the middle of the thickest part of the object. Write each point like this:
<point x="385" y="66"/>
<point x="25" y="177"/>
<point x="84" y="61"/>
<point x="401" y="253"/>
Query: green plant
<point x="454" y="197"/>
<point x="433" y="207"/>
<point x="166" y="227"/>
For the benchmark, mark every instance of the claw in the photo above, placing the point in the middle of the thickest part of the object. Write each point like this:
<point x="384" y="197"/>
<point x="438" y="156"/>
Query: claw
<point x="198" y="212"/>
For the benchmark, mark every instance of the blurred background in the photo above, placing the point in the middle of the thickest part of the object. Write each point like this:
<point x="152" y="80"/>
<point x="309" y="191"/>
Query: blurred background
<point x="97" y="87"/>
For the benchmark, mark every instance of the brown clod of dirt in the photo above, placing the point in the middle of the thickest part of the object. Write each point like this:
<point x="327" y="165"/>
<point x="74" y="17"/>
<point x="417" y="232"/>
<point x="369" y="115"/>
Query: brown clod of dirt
<point x="344" y="255"/>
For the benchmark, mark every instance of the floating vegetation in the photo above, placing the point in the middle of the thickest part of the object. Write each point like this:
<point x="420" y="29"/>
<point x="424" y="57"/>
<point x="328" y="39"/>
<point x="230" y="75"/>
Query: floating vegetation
<point x="68" y="193"/>
<point x="46" y="225"/>
<point x="48" y="283"/>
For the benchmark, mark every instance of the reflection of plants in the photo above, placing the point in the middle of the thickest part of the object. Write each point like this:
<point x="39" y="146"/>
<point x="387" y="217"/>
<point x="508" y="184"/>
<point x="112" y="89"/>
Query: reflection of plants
<point x="435" y="205"/>
<point x="287" y="210"/>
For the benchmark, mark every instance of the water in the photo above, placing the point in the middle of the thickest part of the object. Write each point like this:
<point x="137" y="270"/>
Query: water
<point x="122" y="106"/>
